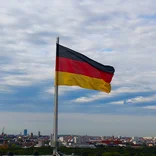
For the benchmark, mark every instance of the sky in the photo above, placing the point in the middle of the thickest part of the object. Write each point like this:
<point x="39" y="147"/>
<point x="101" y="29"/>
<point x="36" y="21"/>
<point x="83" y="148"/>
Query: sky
<point x="113" y="32"/>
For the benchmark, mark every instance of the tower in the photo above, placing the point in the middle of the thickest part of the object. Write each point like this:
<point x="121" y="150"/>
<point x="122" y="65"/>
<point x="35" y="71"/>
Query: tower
<point x="39" y="133"/>
<point x="25" y="132"/>
<point x="31" y="135"/>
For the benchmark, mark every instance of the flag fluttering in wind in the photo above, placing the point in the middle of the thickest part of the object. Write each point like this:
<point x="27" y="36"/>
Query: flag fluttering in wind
<point x="75" y="69"/>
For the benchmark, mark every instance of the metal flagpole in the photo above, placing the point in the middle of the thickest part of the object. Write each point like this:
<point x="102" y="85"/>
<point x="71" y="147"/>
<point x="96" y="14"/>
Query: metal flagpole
<point x="56" y="105"/>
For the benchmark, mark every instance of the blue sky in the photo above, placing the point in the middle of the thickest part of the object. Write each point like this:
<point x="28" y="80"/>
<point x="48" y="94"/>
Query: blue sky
<point x="115" y="32"/>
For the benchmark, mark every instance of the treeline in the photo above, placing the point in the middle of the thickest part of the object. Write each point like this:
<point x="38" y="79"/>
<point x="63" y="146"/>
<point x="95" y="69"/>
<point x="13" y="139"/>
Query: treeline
<point x="111" y="151"/>
<point x="101" y="151"/>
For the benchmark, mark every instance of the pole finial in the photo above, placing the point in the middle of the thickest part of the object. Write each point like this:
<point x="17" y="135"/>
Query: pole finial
<point x="57" y="40"/>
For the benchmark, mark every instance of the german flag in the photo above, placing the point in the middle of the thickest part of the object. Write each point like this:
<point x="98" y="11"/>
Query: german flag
<point x="75" y="69"/>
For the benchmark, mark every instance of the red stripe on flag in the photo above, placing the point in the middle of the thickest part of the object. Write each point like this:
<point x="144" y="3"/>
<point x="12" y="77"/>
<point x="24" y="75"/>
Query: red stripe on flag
<point x="83" y="68"/>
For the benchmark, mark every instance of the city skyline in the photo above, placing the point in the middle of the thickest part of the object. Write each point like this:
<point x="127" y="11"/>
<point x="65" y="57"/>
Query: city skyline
<point x="115" y="32"/>
<point x="97" y="124"/>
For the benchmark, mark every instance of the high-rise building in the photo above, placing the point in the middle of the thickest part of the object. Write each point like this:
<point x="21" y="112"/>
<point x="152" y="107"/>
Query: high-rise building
<point x="31" y="135"/>
<point x="39" y="133"/>
<point x="25" y="132"/>
<point x="77" y="140"/>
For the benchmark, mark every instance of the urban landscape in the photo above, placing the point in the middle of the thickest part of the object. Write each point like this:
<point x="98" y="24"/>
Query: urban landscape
<point x="27" y="140"/>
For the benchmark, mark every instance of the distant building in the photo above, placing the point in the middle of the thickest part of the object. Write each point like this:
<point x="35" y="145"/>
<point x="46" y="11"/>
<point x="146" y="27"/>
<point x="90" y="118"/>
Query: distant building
<point x="25" y="132"/>
<point x="51" y="143"/>
<point x="119" y="137"/>
<point x="39" y="133"/>
<point x="31" y="135"/>
<point x="61" y="139"/>
<point x="40" y="143"/>
<point x="137" y="140"/>
<point x="77" y="140"/>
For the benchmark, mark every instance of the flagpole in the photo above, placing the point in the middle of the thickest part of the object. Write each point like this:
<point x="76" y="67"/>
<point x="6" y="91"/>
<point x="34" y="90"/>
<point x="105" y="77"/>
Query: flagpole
<point x="56" y="105"/>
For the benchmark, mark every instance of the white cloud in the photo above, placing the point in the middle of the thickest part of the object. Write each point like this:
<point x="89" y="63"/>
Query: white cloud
<point x="141" y="99"/>
<point x="4" y="89"/>
<point x="150" y="107"/>
<point x="117" y="102"/>
<point x="5" y="19"/>
<point x="28" y="35"/>
<point x="92" y="97"/>
<point x="102" y="95"/>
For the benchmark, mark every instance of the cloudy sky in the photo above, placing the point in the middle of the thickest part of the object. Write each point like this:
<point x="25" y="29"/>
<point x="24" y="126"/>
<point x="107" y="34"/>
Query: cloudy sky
<point x="115" y="32"/>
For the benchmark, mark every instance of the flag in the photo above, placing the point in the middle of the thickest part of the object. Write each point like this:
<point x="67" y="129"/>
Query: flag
<point x="76" y="69"/>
